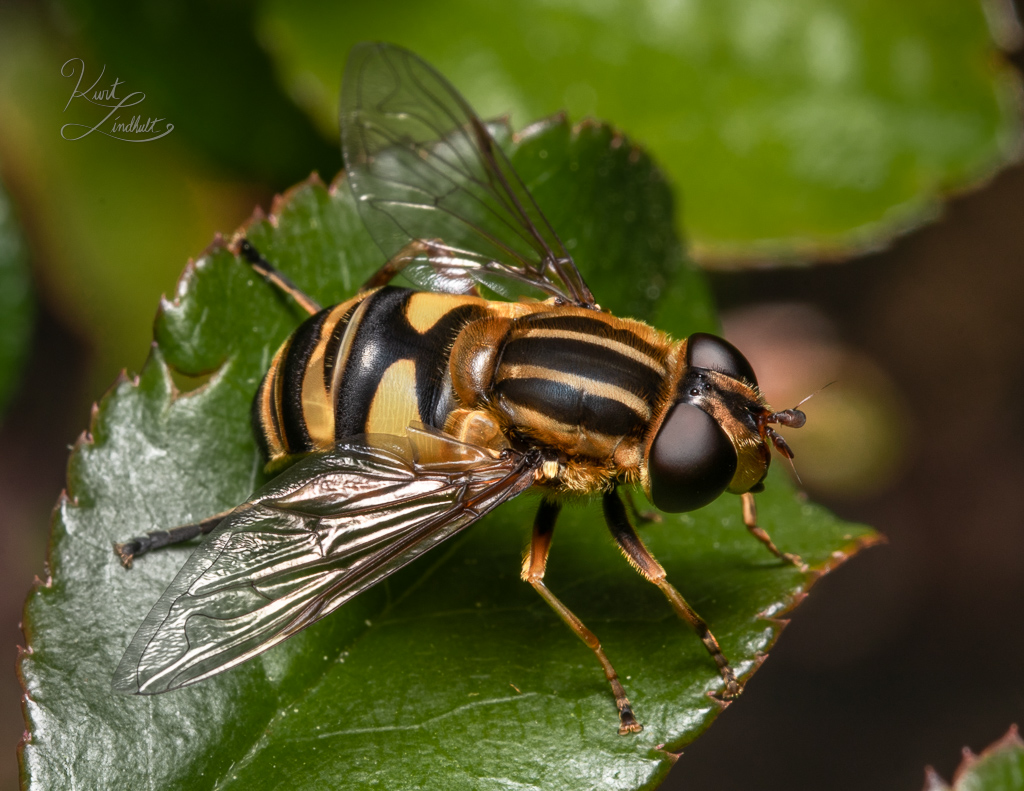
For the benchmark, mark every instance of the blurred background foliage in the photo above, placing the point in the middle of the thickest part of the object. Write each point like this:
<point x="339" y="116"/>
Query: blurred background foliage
<point x="795" y="131"/>
<point x="15" y="303"/>
<point x="791" y="128"/>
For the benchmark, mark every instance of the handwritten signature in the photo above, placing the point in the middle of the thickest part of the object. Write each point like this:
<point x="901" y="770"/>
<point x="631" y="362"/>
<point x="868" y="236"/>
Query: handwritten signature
<point x="107" y="97"/>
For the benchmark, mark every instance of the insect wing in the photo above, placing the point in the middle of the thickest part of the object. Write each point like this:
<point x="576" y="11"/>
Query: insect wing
<point x="331" y="526"/>
<point x="422" y="166"/>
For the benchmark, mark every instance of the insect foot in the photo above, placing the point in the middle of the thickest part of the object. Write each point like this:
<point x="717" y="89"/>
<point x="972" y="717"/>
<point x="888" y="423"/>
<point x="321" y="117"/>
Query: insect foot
<point x="628" y="723"/>
<point x="126" y="552"/>
<point x="732" y="690"/>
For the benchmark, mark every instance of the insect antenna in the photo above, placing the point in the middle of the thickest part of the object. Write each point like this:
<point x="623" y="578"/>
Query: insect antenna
<point x="793" y="418"/>
<point x="812" y="395"/>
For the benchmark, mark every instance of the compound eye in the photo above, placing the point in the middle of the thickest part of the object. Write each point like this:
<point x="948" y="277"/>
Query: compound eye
<point x="710" y="351"/>
<point x="692" y="460"/>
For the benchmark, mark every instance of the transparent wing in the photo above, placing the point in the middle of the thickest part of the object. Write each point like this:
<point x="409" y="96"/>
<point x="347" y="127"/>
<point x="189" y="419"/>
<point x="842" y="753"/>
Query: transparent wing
<point x="423" y="167"/>
<point x="328" y="528"/>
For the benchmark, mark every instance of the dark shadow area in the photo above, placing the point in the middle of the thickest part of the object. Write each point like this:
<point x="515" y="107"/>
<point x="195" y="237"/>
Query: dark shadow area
<point x="48" y="412"/>
<point x="913" y="650"/>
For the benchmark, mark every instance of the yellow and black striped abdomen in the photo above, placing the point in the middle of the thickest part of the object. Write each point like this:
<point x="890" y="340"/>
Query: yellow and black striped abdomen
<point x="373" y="364"/>
<point x="580" y="380"/>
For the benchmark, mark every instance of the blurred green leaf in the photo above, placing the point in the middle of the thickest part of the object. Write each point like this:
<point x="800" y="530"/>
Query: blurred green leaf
<point x="15" y="302"/>
<point x="1000" y="767"/>
<point x="792" y="127"/>
<point x="200" y="64"/>
<point x="452" y="674"/>
<point x="112" y="221"/>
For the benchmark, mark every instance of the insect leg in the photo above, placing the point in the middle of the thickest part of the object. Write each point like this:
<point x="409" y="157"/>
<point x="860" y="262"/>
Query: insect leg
<point x="263" y="268"/>
<point x="127" y="551"/>
<point x="750" y="520"/>
<point x="636" y="513"/>
<point x="644" y="562"/>
<point x="534" y="565"/>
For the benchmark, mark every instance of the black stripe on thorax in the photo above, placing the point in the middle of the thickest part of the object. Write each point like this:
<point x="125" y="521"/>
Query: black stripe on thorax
<point x="383" y="337"/>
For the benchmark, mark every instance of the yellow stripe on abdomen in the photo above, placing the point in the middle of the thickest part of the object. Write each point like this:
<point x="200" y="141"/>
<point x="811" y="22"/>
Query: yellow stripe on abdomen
<point x="267" y="409"/>
<point x="317" y="400"/>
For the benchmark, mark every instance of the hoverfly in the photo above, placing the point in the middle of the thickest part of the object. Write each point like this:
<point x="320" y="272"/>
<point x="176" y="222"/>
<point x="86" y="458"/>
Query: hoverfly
<point x="407" y="415"/>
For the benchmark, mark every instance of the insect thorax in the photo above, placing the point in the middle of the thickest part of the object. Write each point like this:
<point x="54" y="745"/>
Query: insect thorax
<point x="579" y="381"/>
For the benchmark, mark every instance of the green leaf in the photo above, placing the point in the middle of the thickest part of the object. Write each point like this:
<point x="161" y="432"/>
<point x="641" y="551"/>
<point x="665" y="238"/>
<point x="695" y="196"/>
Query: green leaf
<point x="201" y="66"/>
<point x="999" y="767"/>
<point x="453" y="673"/>
<point x="793" y="127"/>
<point x="112" y="221"/>
<point x="15" y="301"/>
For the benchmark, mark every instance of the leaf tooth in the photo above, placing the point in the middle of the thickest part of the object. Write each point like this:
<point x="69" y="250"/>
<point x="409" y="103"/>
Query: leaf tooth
<point x="1009" y="741"/>
<point x="932" y="780"/>
<point x="257" y="218"/>
<point x="667" y="754"/>
<point x="283" y="199"/>
<point x="336" y="183"/>
<point x="215" y="246"/>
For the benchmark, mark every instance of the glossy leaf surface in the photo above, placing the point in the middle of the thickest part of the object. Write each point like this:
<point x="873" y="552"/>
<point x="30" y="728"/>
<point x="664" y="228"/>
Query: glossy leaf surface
<point x="453" y="673"/>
